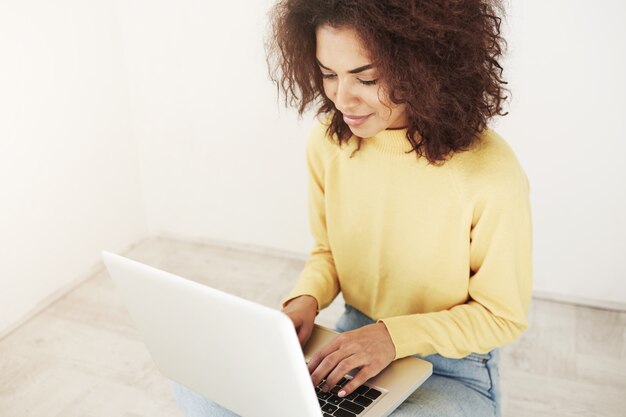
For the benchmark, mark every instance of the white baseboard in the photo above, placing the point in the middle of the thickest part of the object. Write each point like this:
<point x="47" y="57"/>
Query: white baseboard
<point x="542" y="295"/>
<point x="237" y="246"/>
<point x="51" y="299"/>
<point x="57" y="295"/>
<point x="581" y="301"/>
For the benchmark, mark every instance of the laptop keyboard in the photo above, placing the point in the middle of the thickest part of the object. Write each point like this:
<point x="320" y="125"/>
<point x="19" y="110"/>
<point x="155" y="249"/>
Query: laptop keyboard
<point x="355" y="404"/>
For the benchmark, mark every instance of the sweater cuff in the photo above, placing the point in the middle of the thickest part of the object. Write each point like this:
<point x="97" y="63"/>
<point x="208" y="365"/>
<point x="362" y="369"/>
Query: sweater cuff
<point x="296" y="294"/>
<point x="406" y="340"/>
<point x="316" y="289"/>
<point x="306" y="288"/>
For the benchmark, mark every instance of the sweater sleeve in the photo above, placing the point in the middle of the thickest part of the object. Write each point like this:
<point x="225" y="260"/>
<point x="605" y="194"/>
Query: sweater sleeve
<point x="499" y="288"/>
<point x="319" y="277"/>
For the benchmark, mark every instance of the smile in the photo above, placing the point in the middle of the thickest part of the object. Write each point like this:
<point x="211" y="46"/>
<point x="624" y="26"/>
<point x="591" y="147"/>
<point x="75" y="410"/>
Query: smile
<point x="354" y="121"/>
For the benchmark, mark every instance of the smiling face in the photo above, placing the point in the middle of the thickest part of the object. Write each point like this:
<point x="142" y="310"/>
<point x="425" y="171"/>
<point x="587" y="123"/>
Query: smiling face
<point x="350" y="81"/>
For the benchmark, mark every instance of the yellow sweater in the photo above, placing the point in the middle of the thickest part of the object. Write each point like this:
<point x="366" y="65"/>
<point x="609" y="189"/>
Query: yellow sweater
<point x="441" y="255"/>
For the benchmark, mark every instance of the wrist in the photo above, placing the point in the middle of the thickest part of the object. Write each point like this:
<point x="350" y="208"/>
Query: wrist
<point x="309" y="299"/>
<point x="385" y="329"/>
<point x="304" y="300"/>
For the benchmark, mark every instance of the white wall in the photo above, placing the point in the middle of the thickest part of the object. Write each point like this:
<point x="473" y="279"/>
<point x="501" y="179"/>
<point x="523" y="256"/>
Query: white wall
<point x="218" y="162"/>
<point x="218" y="159"/>
<point x="567" y="126"/>
<point x="69" y="183"/>
<point x="82" y="81"/>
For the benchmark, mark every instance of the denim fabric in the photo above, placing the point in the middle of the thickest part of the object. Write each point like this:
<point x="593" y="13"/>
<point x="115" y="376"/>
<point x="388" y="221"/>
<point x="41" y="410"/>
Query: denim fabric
<point x="467" y="387"/>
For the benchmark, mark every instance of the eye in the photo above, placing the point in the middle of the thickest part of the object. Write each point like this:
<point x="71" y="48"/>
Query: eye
<point x="372" y="82"/>
<point x="328" y="76"/>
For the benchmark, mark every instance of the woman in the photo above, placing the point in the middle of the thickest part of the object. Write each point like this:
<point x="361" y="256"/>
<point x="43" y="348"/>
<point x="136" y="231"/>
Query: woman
<point x="419" y="211"/>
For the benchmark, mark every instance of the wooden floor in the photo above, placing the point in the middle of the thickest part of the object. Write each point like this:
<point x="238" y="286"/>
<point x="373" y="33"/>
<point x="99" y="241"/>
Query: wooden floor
<point x="82" y="356"/>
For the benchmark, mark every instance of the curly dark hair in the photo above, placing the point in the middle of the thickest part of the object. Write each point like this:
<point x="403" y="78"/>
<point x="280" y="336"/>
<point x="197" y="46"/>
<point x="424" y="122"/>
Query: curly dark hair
<point x="439" y="57"/>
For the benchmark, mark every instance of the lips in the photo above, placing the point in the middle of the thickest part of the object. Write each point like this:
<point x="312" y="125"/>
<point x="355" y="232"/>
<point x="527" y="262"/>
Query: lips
<point x="354" y="120"/>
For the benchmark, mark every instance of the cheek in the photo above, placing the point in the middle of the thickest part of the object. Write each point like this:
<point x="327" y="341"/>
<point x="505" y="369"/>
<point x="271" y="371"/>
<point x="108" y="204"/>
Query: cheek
<point x="399" y="113"/>
<point x="329" y="90"/>
<point x="373" y="101"/>
<point x="381" y="109"/>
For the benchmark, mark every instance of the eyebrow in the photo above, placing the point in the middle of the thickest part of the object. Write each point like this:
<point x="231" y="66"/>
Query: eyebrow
<point x="354" y="71"/>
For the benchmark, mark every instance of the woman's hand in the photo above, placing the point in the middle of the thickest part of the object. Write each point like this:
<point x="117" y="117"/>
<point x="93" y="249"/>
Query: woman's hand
<point x="369" y="348"/>
<point x="302" y="311"/>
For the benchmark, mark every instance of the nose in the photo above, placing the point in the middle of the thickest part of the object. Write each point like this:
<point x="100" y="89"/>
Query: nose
<point x="345" y="98"/>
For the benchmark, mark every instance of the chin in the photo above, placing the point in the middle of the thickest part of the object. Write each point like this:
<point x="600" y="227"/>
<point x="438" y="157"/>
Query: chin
<point x="364" y="131"/>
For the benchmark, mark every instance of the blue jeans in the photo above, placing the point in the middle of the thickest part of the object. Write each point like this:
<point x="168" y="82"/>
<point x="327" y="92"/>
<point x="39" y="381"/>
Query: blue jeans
<point x="467" y="387"/>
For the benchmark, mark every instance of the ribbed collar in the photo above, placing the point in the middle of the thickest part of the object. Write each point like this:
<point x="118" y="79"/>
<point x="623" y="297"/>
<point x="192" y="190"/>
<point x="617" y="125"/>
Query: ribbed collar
<point x="391" y="142"/>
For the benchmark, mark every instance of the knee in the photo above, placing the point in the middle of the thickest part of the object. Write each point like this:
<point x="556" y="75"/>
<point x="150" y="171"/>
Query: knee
<point x="441" y="396"/>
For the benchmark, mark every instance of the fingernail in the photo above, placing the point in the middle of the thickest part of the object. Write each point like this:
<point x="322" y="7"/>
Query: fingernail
<point x="341" y="394"/>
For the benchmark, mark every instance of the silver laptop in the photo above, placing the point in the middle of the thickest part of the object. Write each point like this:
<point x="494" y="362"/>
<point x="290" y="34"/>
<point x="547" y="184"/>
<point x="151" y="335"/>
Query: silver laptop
<point x="242" y="355"/>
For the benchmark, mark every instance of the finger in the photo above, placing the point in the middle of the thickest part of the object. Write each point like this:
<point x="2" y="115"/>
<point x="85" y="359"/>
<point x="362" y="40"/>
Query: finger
<point x="359" y="379"/>
<point x="301" y="337"/>
<point x="342" y="369"/>
<point x="298" y="326"/>
<point x="319" y="356"/>
<point x="326" y="366"/>
<point x="304" y="333"/>
<point x="314" y="362"/>
<point x="296" y="321"/>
